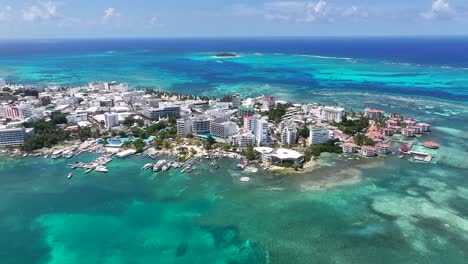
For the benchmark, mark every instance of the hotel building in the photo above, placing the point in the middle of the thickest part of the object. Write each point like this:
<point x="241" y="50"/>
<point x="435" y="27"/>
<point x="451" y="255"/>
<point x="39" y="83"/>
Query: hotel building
<point x="318" y="135"/>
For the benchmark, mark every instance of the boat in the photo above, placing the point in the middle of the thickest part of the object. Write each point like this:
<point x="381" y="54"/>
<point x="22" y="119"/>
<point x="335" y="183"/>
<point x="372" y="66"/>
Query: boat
<point x="166" y="167"/>
<point x="46" y="156"/>
<point x="101" y="168"/>
<point x="187" y="169"/>
<point x="147" y="166"/>
<point x="70" y="175"/>
<point x="57" y="154"/>
<point x="214" y="164"/>
<point x="245" y="179"/>
<point x="158" y="166"/>
<point x="240" y="166"/>
<point x="68" y="154"/>
<point x="401" y="156"/>
<point x="88" y="170"/>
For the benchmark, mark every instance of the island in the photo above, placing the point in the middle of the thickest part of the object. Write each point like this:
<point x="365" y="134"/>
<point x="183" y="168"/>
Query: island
<point x="226" y="55"/>
<point x="113" y="119"/>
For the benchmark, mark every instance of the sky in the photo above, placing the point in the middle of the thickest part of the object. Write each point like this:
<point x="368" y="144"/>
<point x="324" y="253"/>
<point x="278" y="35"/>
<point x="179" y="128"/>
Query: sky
<point x="224" y="18"/>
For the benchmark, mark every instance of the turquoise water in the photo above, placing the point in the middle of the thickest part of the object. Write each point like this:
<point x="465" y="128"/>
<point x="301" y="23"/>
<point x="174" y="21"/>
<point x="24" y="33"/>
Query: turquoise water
<point x="289" y="69"/>
<point x="384" y="210"/>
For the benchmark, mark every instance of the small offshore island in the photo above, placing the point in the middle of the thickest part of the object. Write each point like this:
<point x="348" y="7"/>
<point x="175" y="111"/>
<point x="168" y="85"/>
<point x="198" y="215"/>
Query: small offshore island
<point x="112" y="119"/>
<point x="226" y="55"/>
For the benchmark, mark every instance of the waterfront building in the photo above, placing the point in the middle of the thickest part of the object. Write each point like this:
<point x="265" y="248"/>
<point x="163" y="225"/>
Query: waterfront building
<point x="382" y="148"/>
<point x="184" y="126"/>
<point x="14" y="137"/>
<point x="243" y="139"/>
<point x="408" y="132"/>
<point x="223" y="130"/>
<point x="368" y="151"/>
<point x="280" y="155"/>
<point x="236" y="100"/>
<point x="373" y="113"/>
<point x="260" y="129"/>
<point x="201" y="124"/>
<point x="424" y="127"/>
<point x="289" y="133"/>
<point x="396" y="129"/>
<point x="243" y="111"/>
<point x="162" y="112"/>
<point x="111" y="120"/>
<point x="333" y="113"/>
<point x="349" y="148"/>
<point x="417" y="129"/>
<point x="318" y="135"/>
<point x="409" y="122"/>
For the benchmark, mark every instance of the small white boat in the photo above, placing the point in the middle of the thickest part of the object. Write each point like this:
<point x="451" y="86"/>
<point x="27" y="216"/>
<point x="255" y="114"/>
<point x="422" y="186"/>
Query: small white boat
<point x="70" y="175"/>
<point x="245" y="179"/>
<point x="46" y="156"/>
<point x="101" y="168"/>
<point x="147" y="166"/>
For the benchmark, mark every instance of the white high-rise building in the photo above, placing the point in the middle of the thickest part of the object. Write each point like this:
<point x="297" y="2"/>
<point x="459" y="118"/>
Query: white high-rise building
<point x="243" y="139"/>
<point x="318" y="136"/>
<point x="184" y="126"/>
<point x="111" y="120"/>
<point x="248" y="123"/>
<point x="223" y="130"/>
<point x="260" y="129"/>
<point x="333" y="113"/>
<point x="236" y="100"/>
<point x="289" y="133"/>
<point x="14" y="137"/>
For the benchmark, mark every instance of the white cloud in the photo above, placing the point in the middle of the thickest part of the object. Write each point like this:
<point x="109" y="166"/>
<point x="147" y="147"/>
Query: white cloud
<point x="440" y="10"/>
<point x="299" y="11"/>
<point x="110" y="12"/>
<point x="41" y="11"/>
<point x="316" y="10"/>
<point x="5" y="13"/>
<point x="155" y="22"/>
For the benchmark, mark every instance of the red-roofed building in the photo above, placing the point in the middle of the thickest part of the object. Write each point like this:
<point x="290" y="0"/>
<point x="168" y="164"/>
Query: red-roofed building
<point x="424" y="127"/>
<point x="386" y="131"/>
<point x="349" y="148"/>
<point x="368" y="151"/>
<point x="374" y="134"/>
<point x="408" y="132"/>
<point x="383" y="148"/>
<point x="409" y="122"/>
<point x="373" y="113"/>
<point x="417" y="129"/>
<point x="391" y="123"/>
<point x="396" y="129"/>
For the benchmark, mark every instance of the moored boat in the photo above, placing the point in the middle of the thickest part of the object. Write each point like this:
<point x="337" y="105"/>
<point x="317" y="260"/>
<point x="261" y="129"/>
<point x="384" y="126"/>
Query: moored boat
<point x="158" y="166"/>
